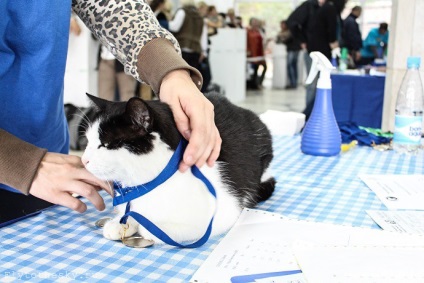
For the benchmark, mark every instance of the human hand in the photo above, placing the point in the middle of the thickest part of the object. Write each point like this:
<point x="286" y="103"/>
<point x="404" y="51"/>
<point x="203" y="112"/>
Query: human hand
<point x="60" y="175"/>
<point x="74" y="27"/>
<point x="357" y="55"/>
<point x="334" y="44"/>
<point x="194" y="117"/>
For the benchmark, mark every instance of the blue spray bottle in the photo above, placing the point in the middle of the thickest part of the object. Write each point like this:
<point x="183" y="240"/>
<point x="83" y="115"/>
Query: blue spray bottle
<point x="321" y="135"/>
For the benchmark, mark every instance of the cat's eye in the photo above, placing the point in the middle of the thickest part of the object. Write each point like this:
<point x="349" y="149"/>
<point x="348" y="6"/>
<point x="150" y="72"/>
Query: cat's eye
<point x="102" y="145"/>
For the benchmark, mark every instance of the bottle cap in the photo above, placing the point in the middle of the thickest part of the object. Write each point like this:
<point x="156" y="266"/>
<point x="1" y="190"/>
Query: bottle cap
<point x="413" y="62"/>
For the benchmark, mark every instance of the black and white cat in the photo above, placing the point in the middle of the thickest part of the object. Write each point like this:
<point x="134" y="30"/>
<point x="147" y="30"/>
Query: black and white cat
<point x="131" y="142"/>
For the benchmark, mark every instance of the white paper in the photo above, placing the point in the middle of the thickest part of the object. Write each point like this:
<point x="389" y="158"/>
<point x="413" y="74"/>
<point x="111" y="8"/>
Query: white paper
<point x="411" y="222"/>
<point x="361" y="264"/>
<point x="261" y="242"/>
<point x="294" y="278"/>
<point x="397" y="191"/>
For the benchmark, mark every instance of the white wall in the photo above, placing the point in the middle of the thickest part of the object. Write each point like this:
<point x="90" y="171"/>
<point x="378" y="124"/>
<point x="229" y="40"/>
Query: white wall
<point x="80" y="73"/>
<point x="228" y="62"/>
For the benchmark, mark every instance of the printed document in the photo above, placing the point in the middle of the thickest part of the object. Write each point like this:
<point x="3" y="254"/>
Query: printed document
<point x="266" y="247"/>
<point x="397" y="191"/>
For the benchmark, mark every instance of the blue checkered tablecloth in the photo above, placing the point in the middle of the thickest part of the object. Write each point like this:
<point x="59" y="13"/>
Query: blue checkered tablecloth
<point x="60" y="245"/>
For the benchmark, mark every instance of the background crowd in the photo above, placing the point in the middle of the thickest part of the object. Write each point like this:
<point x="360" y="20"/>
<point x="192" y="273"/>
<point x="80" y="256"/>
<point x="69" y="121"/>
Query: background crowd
<point x="315" y="25"/>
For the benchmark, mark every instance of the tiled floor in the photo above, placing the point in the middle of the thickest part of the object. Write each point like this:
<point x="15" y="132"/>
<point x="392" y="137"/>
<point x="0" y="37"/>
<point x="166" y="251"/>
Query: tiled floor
<point x="276" y="99"/>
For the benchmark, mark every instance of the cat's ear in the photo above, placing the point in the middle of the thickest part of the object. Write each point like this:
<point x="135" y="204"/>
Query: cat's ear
<point x="139" y="114"/>
<point x="98" y="102"/>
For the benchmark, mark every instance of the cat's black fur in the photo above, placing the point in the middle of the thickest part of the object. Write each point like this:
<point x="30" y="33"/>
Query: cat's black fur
<point x="246" y="149"/>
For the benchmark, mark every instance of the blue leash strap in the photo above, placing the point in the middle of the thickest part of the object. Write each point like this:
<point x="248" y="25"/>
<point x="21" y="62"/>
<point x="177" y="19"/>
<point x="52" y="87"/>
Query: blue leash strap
<point x="128" y="194"/>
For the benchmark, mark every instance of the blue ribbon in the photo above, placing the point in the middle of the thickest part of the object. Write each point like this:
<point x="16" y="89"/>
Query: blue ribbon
<point x="129" y="193"/>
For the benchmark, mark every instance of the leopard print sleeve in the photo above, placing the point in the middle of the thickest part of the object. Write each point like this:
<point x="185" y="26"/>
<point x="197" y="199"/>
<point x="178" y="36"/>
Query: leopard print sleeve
<point x="124" y="26"/>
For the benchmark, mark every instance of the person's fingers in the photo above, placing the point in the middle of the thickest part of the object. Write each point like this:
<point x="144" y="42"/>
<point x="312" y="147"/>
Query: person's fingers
<point x="59" y="176"/>
<point x="216" y="149"/>
<point x="198" y="142"/>
<point x="181" y="120"/>
<point x="89" y="192"/>
<point x="85" y="176"/>
<point x="212" y="151"/>
<point x="194" y="116"/>
<point x="65" y="199"/>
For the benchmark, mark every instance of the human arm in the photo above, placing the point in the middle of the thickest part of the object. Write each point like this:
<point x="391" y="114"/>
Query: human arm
<point x="150" y="53"/>
<point x="53" y="177"/>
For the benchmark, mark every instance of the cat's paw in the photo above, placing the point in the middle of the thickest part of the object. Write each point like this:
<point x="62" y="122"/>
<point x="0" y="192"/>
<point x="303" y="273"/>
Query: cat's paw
<point x="113" y="230"/>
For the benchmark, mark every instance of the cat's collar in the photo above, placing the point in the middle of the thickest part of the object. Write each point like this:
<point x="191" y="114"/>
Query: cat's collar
<point x="123" y="195"/>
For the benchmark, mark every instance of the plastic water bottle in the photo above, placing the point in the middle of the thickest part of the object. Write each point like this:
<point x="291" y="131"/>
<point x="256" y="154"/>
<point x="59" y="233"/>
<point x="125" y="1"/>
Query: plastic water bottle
<point x="343" y="60"/>
<point x="409" y="110"/>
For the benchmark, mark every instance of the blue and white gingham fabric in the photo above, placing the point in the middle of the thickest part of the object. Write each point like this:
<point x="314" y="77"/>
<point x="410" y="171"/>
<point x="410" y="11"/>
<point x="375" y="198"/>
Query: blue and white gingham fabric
<point x="60" y="245"/>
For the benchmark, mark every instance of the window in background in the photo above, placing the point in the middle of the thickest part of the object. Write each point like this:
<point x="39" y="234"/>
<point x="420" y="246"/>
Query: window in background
<point x="272" y="12"/>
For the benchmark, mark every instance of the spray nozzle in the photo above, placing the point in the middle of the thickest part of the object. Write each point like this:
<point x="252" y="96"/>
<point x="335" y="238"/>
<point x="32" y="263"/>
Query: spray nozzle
<point x="321" y="64"/>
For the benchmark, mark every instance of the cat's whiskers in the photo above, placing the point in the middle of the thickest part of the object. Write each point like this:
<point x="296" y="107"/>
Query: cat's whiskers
<point x="85" y="119"/>
<point x="83" y="116"/>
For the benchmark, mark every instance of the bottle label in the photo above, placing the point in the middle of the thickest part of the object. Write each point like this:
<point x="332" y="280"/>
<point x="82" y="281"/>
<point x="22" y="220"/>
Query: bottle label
<point x="407" y="129"/>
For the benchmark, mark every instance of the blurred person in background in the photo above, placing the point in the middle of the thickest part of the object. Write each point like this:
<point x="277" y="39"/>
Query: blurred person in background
<point x="255" y="51"/>
<point x="211" y="26"/>
<point x="189" y="29"/>
<point x="239" y="21"/>
<point x="293" y="49"/>
<point x="112" y="78"/>
<point x="324" y="36"/>
<point x="300" y="23"/>
<point x="231" y="20"/>
<point x="351" y="35"/>
<point x="215" y="20"/>
<point x="205" y="69"/>
<point x="159" y="9"/>
<point x="375" y="44"/>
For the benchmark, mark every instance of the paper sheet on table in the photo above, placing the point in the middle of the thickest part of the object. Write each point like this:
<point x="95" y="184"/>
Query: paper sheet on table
<point x="411" y="222"/>
<point x="260" y="244"/>
<point x="397" y="191"/>
<point x="366" y="264"/>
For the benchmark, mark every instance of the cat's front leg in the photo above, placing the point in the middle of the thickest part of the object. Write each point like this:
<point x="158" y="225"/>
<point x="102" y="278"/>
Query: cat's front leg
<point x="113" y="230"/>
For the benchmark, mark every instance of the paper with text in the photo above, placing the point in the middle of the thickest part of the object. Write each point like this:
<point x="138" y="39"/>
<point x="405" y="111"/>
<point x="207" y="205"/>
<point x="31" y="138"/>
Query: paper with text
<point x="411" y="222"/>
<point x="261" y="243"/>
<point x="366" y="264"/>
<point x="397" y="191"/>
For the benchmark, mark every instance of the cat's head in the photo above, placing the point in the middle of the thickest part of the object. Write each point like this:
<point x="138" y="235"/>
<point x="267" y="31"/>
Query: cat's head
<point x="124" y="143"/>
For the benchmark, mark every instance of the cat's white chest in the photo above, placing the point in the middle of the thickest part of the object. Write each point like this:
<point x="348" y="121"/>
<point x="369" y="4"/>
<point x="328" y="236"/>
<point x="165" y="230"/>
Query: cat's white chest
<point x="183" y="206"/>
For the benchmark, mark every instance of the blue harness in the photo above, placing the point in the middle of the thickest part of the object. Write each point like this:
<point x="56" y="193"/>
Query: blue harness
<point x="126" y="195"/>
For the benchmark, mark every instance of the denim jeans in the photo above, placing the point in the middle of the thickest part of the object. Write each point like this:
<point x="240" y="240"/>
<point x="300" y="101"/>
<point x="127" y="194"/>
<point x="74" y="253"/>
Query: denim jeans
<point x="292" y="57"/>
